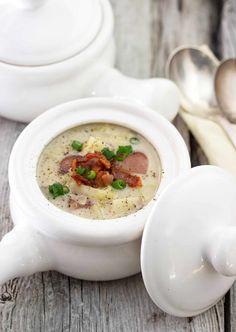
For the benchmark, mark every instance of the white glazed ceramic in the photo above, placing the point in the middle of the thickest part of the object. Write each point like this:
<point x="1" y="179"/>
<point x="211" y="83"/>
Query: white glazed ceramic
<point x="45" y="62"/>
<point x="188" y="255"/>
<point x="45" y="237"/>
<point x="42" y="32"/>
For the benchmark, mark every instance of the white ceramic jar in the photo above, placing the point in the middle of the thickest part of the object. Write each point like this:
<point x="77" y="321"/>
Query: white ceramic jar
<point x="47" y="238"/>
<point x="53" y="51"/>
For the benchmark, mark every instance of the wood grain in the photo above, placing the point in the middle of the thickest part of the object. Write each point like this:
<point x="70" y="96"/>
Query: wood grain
<point x="228" y="29"/>
<point x="146" y="31"/>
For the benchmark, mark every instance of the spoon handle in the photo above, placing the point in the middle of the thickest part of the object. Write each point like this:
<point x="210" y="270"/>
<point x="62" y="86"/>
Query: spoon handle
<point x="227" y="127"/>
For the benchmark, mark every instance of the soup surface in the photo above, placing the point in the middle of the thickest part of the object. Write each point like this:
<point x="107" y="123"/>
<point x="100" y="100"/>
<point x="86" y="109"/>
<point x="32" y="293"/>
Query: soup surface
<point x="99" y="171"/>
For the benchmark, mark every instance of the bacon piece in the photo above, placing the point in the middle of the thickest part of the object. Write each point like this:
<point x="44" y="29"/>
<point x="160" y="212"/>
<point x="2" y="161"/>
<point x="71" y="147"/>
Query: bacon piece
<point x="79" y="179"/>
<point x="100" y="157"/>
<point x="132" y="180"/>
<point x="73" y="166"/>
<point x="66" y="163"/>
<point x="93" y="164"/>
<point x="105" y="162"/>
<point x="107" y="178"/>
<point x="104" y="170"/>
<point x="103" y="179"/>
<point x="95" y="161"/>
<point x="136" y="162"/>
<point x="96" y="164"/>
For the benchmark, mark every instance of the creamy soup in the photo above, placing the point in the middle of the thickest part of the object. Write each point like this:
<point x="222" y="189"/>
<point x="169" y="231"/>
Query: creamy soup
<point x="99" y="171"/>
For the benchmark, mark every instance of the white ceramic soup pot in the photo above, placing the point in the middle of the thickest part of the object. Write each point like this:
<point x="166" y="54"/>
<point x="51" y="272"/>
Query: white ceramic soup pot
<point x="47" y="238"/>
<point x="58" y="51"/>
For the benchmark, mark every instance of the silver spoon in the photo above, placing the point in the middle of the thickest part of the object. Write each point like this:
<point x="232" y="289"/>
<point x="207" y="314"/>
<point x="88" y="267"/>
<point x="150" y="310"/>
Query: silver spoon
<point x="225" y="87"/>
<point x="193" y="69"/>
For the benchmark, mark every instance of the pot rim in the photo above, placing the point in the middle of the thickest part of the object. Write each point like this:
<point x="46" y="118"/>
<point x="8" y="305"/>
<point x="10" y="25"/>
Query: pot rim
<point x="62" y="225"/>
<point x="100" y="41"/>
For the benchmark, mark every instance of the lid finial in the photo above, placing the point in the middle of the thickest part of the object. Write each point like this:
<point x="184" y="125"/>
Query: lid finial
<point x="221" y="251"/>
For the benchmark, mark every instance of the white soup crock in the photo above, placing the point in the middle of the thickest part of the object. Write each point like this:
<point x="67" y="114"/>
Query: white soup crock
<point x="55" y="51"/>
<point x="47" y="238"/>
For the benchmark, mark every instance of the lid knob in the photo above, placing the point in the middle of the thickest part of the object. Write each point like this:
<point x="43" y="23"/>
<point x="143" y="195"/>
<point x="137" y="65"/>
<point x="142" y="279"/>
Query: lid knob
<point x="29" y="4"/>
<point x="221" y="252"/>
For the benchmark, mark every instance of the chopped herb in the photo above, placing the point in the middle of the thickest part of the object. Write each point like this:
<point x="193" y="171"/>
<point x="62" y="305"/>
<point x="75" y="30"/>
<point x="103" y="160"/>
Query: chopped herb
<point x="91" y="175"/>
<point x="123" y="152"/>
<point x="66" y="190"/>
<point x="134" y="140"/>
<point x="80" y="170"/>
<point x="119" y="184"/>
<point x="108" y="153"/>
<point x="76" y="145"/>
<point x="57" y="189"/>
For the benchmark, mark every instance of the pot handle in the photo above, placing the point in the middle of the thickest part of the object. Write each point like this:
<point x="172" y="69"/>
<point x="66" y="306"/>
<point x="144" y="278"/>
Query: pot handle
<point x="23" y="251"/>
<point x="157" y="93"/>
<point x="221" y="251"/>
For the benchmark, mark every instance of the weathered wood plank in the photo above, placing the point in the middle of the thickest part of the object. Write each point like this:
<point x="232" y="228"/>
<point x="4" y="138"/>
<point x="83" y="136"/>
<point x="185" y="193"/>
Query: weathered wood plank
<point x="183" y="23"/>
<point x="146" y="31"/>
<point x="228" y="29"/>
<point x="228" y="49"/>
<point x="9" y="131"/>
<point x="194" y="28"/>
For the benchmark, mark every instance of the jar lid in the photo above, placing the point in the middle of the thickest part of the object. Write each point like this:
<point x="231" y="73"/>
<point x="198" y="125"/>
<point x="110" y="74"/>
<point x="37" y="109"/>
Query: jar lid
<point x="40" y="32"/>
<point x="188" y="254"/>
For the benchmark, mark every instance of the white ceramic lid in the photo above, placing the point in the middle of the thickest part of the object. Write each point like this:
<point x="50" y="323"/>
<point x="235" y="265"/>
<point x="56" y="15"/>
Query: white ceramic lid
<point x="39" y="32"/>
<point x="188" y="255"/>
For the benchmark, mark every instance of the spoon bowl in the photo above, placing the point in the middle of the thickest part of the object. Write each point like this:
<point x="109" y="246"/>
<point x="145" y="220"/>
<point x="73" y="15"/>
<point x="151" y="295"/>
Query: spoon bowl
<point x="193" y="70"/>
<point x="225" y="87"/>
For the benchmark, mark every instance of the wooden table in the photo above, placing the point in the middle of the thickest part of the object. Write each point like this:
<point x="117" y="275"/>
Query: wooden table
<point x="146" y="32"/>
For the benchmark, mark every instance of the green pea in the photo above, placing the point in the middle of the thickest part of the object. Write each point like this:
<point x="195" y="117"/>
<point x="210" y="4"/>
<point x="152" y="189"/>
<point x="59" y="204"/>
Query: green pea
<point x="108" y="153"/>
<point x="80" y="170"/>
<point x="119" y="184"/>
<point x="57" y="189"/>
<point x="91" y="175"/>
<point x="77" y="145"/>
<point x="123" y="152"/>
